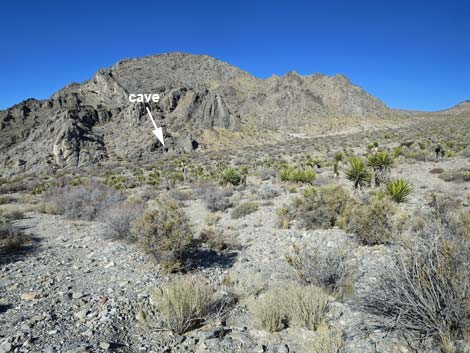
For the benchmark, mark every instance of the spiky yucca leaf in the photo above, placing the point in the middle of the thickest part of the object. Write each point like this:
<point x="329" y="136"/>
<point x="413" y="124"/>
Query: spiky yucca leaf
<point x="398" y="190"/>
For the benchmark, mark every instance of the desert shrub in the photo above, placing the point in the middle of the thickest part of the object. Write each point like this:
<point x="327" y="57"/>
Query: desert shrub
<point x="120" y="218"/>
<point x="47" y="208"/>
<point x="290" y="306"/>
<point x="165" y="232"/>
<point x="328" y="340"/>
<point x="320" y="208"/>
<point x="184" y="303"/>
<point x="397" y="151"/>
<point x="6" y="199"/>
<point x="244" y="209"/>
<point x="12" y="214"/>
<point x="437" y="171"/>
<point x="456" y="176"/>
<point x="321" y="266"/>
<point x="212" y="219"/>
<point x="83" y="202"/>
<point x="118" y="182"/>
<point x="39" y="189"/>
<point x="267" y="173"/>
<point x="284" y="217"/>
<point x="372" y="223"/>
<point x="423" y="294"/>
<point x="231" y="176"/>
<point x="380" y="162"/>
<point x="298" y="175"/>
<point x="215" y="198"/>
<point x="358" y="172"/>
<point x="451" y="214"/>
<point x="267" y="192"/>
<point x="12" y="238"/>
<point x="181" y="195"/>
<point x="214" y="239"/>
<point x="398" y="190"/>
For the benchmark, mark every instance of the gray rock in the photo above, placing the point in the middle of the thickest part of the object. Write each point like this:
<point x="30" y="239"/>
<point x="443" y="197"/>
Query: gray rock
<point x="77" y="295"/>
<point x="81" y="314"/>
<point x="6" y="347"/>
<point x="105" y="345"/>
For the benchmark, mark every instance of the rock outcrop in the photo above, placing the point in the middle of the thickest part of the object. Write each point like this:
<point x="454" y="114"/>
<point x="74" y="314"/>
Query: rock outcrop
<point x="82" y="124"/>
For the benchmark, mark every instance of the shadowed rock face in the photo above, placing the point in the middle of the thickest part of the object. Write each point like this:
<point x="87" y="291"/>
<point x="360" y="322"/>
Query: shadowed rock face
<point x="84" y="123"/>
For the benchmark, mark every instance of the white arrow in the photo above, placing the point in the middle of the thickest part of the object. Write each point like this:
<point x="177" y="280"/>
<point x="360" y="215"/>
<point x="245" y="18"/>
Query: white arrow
<point x="158" y="130"/>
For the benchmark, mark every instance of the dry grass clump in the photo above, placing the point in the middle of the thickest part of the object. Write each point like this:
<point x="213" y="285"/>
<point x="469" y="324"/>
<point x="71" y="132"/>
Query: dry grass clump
<point x="244" y="209"/>
<point x="291" y="306"/>
<point x="6" y="199"/>
<point x="267" y="311"/>
<point x="328" y="340"/>
<point x="320" y="207"/>
<point x="184" y="303"/>
<point x="12" y="214"/>
<point x="83" y="202"/>
<point x="165" y="232"/>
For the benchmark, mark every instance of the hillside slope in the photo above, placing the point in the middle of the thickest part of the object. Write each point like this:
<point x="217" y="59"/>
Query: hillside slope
<point x="86" y="123"/>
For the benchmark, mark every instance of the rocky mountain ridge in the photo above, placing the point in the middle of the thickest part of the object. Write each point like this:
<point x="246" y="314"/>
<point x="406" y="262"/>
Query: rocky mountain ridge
<point x="93" y="121"/>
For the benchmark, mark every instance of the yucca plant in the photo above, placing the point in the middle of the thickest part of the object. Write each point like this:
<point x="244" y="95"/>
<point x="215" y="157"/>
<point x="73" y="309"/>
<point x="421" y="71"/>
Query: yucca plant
<point x="358" y="172"/>
<point x="380" y="162"/>
<point x="398" y="190"/>
<point x="298" y="175"/>
<point x="231" y="176"/>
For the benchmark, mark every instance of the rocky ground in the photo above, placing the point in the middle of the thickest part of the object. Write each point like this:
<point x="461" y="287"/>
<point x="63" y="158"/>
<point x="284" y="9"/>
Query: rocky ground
<point x="76" y="290"/>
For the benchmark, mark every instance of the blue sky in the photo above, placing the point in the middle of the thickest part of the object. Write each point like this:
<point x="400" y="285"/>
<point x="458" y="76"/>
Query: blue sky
<point x="410" y="54"/>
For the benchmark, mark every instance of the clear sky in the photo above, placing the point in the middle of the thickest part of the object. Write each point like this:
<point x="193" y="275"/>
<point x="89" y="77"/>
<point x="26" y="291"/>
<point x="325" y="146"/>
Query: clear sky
<point x="410" y="54"/>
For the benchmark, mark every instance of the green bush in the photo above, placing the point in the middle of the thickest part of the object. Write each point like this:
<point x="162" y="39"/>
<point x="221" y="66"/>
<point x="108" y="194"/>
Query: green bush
<point x="398" y="190"/>
<point x="358" y="172"/>
<point x="373" y="223"/>
<point x="165" y="232"/>
<point x="320" y="208"/>
<point x="244" y="209"/>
